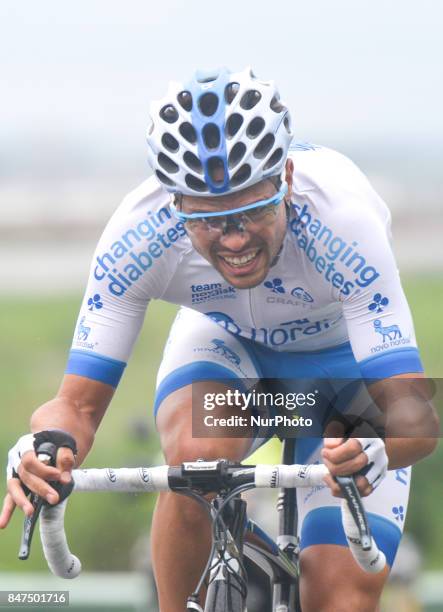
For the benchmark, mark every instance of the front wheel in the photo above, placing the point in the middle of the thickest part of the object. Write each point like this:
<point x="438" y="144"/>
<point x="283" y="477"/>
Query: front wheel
<point x="226" y="593"/>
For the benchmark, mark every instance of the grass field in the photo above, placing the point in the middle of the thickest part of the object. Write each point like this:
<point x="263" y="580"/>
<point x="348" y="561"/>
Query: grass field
<point x="35" y="335"/>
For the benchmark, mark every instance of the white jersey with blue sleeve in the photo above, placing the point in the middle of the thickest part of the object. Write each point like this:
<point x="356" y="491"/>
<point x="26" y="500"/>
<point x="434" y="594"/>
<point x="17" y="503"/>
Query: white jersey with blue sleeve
<point x="335" y="279"/>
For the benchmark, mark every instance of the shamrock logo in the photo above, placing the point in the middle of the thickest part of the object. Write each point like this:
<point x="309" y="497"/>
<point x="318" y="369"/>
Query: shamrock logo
<point x="276" y="285"/>
<point x="399" y="513"/>
<point x="95" y="302"/>
<point x="378" y="304"/>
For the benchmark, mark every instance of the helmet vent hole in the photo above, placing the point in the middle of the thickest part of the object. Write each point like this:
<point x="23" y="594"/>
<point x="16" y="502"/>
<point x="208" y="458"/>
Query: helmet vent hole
<point x="216" y="170"/>
<point x="287" y="123"/>
<point x="169" y="113"/>
<point x="276" y="105"/>
<point x="211" y="136"/>
<point x="193" y="162"/>
<point x="233" y="124"/>
<point x="274" y="159"/>
<point x="164" y="179"/>
<point x="184" y="98"/>
<point x="264" y="146"/>
<point x="231" y="91"/>
<point x="255" y="127"/>
<point x="250" y="99"/>
<point x="195" y="183"/>
<point x="236" y="154"/>
<point x="166" y="163"/>
<point x="241" y="176"/>
<point x="208" y="104"/>
<point x="170" y="143"/>
<point x="188" y="132"/>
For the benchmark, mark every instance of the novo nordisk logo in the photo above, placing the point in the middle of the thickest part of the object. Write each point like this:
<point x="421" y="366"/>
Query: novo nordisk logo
<point x="82" y="336"/>
<point x="291" y="332"/>
<point x="211" y="291"/>
<point x="82" y="330"/>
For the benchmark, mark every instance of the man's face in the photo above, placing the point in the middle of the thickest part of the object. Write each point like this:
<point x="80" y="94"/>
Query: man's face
<point x="243" y="258"/>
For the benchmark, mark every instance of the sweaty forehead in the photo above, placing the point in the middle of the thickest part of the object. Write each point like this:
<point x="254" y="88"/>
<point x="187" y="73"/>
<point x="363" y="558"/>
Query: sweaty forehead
<point x="261" y="191"/>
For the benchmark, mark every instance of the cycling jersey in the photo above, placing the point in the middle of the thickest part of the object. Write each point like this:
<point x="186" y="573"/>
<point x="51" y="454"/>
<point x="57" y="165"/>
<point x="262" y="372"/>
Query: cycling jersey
<point x="335" y="279"/>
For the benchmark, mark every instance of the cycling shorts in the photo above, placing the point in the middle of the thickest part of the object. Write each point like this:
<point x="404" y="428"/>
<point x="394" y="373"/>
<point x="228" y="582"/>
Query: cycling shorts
<point x="200" y="349"/>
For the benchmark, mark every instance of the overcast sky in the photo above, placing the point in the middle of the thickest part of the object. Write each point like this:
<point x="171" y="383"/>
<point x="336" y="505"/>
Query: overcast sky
<point x="357" y="74"/>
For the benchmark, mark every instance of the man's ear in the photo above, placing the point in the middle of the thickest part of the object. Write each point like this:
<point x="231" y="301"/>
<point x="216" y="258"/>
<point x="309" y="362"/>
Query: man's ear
<point x="289" y="171"/>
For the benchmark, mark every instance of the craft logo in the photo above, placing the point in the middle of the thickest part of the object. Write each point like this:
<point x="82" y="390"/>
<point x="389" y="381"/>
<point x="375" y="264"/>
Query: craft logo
<point x="280" y="296"/>
<point x="399" y="513"/>
<point x="275" y="285"/>
<point x="378" y="304"/>
<point x="95" y="302"/>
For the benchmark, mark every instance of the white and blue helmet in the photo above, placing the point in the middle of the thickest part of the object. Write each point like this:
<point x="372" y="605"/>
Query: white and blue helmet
<point x="219" y="133"/>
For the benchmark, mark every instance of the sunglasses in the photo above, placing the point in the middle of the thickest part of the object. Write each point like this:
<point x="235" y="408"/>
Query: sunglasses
<point x="259" y="212"/>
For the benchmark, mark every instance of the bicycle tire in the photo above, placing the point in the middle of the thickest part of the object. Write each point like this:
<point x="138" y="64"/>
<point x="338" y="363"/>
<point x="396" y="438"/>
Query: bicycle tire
<point x="223" y="596"/>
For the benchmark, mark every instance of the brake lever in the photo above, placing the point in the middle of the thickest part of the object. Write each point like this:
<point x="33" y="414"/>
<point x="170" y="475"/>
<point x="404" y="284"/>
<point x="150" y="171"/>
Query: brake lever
<point x="351" y="494"/>
<point x="46" y="453"/>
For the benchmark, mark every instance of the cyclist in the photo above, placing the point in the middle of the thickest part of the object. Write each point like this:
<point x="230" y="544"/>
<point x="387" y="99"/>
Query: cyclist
<point x="280" y="259"/>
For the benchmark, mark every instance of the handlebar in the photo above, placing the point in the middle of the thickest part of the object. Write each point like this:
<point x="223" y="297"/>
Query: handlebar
<point x="205" y="476"/>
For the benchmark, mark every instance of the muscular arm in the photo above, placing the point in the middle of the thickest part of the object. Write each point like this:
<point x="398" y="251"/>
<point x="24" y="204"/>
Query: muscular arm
<point x="408" y="411"/>
<point x="78" y="408"/>
<point x="407" y="408"/>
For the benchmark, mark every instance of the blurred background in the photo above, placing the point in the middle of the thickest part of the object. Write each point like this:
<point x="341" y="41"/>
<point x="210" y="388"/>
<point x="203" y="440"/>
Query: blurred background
<point x="361" y="77"/>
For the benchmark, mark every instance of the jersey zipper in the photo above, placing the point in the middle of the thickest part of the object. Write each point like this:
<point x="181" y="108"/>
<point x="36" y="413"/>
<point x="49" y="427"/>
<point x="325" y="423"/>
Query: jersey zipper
<point x="251" y="309"/>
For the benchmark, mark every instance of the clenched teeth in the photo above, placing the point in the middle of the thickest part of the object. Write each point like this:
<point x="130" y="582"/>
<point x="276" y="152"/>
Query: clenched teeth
<point x="241" y="261"/>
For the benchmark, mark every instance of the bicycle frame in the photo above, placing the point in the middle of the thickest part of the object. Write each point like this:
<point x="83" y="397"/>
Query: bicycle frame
<point x="280" y="559"/>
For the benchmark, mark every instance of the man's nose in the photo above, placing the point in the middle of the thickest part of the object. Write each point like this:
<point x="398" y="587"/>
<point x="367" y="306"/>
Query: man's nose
<point x="234" y="239"/>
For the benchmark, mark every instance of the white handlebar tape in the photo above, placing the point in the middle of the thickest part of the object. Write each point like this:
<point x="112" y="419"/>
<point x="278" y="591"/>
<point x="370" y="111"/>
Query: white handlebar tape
<point x="60" y="560"/>
<point x="373" y="560"/>
<point x="289" y="476"/>
<point x="124" y="480"/>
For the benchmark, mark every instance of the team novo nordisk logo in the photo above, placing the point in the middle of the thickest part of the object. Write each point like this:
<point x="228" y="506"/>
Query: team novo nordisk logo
<point x="276" y="286"/>
<point x="211" y="291"/>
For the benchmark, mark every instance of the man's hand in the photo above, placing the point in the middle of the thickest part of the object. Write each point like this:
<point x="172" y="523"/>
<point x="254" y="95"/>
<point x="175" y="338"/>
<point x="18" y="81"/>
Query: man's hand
<point x="344" y="457"/>
<point x="24" y="468"/>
